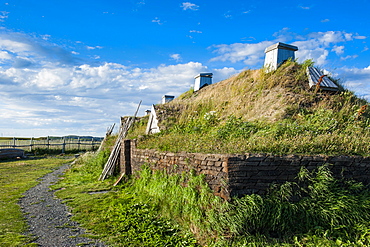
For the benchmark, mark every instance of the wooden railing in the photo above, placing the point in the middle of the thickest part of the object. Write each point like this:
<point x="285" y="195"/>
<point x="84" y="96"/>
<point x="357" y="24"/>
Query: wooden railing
<point x="64" y="143"/>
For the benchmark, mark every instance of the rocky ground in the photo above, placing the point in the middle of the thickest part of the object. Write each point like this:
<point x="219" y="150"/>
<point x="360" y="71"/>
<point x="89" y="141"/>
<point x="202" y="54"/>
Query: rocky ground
<point x="49" y="219"/>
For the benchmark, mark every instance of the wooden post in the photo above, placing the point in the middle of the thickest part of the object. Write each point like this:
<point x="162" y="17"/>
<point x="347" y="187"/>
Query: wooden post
<point x="31" y="144"/>
<point x="127" y="158"/>
<point x="78" y="144"/>
<point x="47" y="142"/>
<point x="64" y="145"/>
<point x="92" y="143"/>
<point x="14" y="140"/>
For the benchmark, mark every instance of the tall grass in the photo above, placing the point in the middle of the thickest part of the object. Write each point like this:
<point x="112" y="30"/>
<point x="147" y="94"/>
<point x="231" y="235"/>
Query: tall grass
<point x="267" y="112"/>
<point x="315" y="207"/>
<point x="115" y="216"/>
<point x="154" y="208"/>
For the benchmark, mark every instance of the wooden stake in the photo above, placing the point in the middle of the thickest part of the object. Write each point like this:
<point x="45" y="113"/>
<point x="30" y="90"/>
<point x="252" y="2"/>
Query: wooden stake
<point x="114" y="155"/>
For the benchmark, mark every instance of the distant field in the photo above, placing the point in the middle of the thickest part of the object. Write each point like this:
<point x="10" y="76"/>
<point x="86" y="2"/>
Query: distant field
<point x="53" y="143"/>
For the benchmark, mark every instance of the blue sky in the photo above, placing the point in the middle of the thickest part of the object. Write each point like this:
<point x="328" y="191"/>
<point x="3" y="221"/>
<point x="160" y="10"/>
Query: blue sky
<point x="74" y="67"/>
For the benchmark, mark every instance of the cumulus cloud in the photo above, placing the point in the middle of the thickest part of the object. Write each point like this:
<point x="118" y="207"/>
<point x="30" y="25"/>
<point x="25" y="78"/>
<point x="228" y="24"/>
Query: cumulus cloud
<point x="338" y="49"/>
<point x="4" y="55"/>
<point x="250" y="54"/>
<point x="316" y="46"/>
<point x="50" y="99"/>
<point x="44" y="91"/>
<point x="190" y="6"/>
<point x="357" y="79"/>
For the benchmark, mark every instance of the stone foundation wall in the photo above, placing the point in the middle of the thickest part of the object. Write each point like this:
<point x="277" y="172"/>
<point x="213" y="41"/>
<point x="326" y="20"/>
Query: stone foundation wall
<point x="237" y="175"/>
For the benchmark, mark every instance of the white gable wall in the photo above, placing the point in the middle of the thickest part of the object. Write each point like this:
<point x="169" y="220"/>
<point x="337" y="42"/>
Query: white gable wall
<point x="152" y="126"/>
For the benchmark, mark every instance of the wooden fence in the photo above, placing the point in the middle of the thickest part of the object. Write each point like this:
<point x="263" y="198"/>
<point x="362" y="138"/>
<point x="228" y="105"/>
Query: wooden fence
<point x="64" y="143"/>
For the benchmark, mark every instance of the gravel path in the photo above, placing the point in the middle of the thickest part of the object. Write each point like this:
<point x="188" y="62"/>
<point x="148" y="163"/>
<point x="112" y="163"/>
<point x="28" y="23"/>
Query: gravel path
<point x="49" y="219"/>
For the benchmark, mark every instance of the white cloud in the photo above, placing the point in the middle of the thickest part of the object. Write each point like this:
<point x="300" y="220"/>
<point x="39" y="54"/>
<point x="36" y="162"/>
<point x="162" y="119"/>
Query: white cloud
<point x="190" y="6"/>
<point x="331" y="37"/>
<point x="94" y="47"/>
<point x="325" y="20"/>
<point x="81" y="99"/>
<point x="157" y="20"/>
<point x="50" y="78"/>
<point x="358" y="80"/>
<point x="41" y="85"/>
<point x="21" y="48"/>
<point x="305" y="7"/>
<point x="338" y="49"/>
<point x="176" y="57"/>
<point x="359" y="37"/>
<point x="317" y="54"/>
<point x="250" y="54"/>
<point x="228" y="15"/>
<point x="4" y="55"/>
<point x="225" y="72"/>
<point x="195" y="31"/>
<point x="46" y="36"/>
<point x="349" y="57"/>
<point x="3" y="15"/>
<point x="26" y="47"/>
<point x="317" y="46"/>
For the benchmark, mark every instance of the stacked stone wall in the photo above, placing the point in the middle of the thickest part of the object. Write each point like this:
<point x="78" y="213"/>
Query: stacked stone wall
<point x="237" y="175"/>
<point x="213" y="166"/>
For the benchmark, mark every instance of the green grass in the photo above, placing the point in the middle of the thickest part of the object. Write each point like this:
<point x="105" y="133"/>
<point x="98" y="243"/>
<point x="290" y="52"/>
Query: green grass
<point x="16" y="177"/>
<point x="258" y="112"/>
<point x="154" y="208"/>
<point x="117" y="217"/>
<point x="316" y="210"/>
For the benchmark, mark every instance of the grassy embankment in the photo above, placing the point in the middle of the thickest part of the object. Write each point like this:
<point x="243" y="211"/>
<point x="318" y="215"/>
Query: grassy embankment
<point x="256" y="112"/>
<point x="16" y="177"/>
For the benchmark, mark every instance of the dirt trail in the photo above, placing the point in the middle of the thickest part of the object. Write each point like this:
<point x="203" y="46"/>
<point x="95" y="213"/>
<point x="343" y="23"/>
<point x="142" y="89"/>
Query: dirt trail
<point x="49" y="219"/>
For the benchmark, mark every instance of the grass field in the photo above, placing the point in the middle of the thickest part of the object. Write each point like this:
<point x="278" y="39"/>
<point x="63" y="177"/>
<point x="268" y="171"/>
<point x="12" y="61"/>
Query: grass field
<point x="16" y="177"/>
